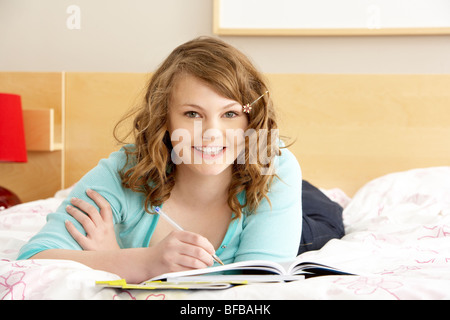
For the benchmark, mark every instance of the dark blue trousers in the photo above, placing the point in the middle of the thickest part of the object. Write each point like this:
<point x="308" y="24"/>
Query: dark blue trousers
<point x="322" y="219"/>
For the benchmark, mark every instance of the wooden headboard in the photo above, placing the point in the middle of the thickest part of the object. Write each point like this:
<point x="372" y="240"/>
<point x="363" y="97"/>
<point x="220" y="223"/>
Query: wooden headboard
<point x="348" y="129"/>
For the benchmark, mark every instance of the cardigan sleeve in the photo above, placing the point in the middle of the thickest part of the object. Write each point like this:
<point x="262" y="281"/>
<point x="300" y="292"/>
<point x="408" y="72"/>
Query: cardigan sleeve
<point x="104" y="178"/>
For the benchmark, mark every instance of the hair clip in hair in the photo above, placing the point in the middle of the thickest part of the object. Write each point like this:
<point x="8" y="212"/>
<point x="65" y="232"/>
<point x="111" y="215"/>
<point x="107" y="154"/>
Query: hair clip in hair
<point x="248" y="107"/>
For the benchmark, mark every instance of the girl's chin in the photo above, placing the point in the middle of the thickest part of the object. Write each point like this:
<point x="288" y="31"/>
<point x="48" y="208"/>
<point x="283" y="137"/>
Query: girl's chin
<point x="205" y="169"/>
<point x="209" y="169"/>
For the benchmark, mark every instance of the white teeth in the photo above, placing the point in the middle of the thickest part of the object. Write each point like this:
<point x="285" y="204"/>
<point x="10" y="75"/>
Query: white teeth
<point x="209" y="150"/>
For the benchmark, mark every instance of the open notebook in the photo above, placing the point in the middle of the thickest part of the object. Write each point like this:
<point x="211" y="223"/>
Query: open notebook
<point x="237" y="273"/>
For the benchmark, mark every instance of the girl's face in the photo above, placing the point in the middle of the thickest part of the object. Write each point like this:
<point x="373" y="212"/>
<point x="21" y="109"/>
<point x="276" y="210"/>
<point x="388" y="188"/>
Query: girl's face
<point x="206" y="129"/>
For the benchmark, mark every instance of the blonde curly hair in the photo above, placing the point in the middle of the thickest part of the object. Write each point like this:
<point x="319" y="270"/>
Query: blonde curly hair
<point x="149" y="168"/>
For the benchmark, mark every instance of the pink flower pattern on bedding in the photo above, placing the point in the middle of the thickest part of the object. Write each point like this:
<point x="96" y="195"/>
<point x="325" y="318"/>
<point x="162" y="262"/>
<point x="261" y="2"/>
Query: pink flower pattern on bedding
<point x="397" y="241"/>
<point x="128" y="295"/>
<point x="13" y="286"/>
<point x="368" y="286"/>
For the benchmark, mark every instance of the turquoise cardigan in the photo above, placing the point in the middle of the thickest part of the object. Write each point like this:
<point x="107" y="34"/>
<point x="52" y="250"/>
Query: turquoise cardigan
<point x="269" y="234"/>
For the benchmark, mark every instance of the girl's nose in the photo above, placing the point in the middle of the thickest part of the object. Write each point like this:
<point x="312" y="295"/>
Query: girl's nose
<point x="212" y="134"/>
<point x="211" y="130"/>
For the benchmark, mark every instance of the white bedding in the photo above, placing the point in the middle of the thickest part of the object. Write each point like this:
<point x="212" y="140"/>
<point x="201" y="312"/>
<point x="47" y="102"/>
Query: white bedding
<point x="397" y="241"/>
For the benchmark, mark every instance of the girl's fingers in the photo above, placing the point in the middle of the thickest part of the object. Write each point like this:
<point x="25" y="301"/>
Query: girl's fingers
<point x="189" y="262"/>
<point x="103" y="204"/>
<point x="99" y="227"/>
<point x="77" y="235"/>
<point x="87" y="208"/>
<point x="83" y="219"/>
<point x="195" y="257"/>
<point x="194" y="250"/>
<point x="196" y="240"/>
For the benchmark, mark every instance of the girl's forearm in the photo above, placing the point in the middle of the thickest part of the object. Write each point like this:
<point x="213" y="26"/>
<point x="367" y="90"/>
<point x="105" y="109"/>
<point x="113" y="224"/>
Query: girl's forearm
<point x="129" y="264"/>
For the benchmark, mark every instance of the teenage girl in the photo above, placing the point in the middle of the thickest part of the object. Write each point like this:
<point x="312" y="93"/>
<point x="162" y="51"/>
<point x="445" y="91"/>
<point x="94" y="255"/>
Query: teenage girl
<point x="205" y="154"/>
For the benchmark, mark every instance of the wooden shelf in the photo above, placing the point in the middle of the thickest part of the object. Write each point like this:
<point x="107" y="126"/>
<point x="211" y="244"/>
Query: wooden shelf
<point x="39" y="127"/>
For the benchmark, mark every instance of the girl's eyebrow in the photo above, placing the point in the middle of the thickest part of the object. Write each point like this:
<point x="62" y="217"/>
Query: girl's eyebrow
<point x="199" y="107"/>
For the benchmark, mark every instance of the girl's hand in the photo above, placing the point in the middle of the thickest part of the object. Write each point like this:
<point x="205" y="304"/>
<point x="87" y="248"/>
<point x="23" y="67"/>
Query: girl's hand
<point x="99" y="226"/>
<point x="182" y="250"/>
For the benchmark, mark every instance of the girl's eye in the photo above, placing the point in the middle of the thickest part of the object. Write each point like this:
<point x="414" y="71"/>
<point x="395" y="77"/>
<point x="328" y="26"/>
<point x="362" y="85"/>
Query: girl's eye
<point x="230" y="114"/>
<point x="192" y="114"/>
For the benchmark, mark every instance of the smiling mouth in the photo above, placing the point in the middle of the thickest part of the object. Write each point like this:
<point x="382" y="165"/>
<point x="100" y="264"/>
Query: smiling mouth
<point x="210" y="151"/>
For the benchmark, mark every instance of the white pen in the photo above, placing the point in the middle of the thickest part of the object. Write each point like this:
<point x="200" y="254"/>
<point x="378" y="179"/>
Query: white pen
<point x="177" y="226"/>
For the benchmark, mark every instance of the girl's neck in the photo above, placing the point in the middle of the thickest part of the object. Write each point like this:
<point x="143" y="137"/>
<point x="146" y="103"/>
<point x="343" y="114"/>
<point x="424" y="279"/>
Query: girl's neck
<point x="200" y="190"/>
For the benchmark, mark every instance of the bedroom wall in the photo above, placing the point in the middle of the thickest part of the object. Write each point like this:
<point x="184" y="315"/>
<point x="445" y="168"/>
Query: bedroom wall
<point x="134" y="36"/>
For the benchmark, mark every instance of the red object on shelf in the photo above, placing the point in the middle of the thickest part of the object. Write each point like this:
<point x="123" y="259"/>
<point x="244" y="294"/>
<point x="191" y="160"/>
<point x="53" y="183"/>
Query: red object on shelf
<point x="12" y="135"/>
<point x="12" y="140"/>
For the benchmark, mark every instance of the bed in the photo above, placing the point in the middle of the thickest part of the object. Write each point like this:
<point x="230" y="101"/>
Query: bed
<point x="397" y="242"/>
<point x="376" y="144"/>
